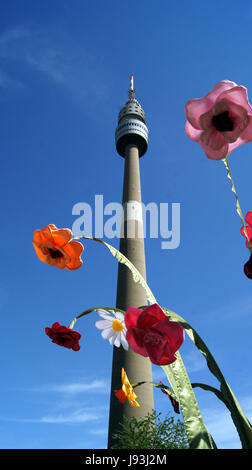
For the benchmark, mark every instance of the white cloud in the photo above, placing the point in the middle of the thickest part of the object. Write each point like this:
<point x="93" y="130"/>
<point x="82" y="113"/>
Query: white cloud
<point x="78" y="416"/>
<point x="221" y="427"/>
<point x="99" y="432"/>
<point x="96" y="386"/>
<point x="59" y="58"/>
<point x="194" y="361"/>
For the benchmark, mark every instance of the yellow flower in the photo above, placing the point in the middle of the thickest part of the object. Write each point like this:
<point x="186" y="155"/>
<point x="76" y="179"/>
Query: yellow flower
<point x="126" y="391"/>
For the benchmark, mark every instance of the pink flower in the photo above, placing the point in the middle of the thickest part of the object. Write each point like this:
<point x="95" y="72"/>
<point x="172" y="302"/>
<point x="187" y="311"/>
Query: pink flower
<point x="221" y="120"/>
<point x="151" y="334"/>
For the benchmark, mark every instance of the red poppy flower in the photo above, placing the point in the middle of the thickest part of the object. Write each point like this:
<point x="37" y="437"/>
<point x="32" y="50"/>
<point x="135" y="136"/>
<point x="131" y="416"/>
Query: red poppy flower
<point x="151" y="334"/>
<point x="221" y="120"/>
<point x="56" y="247"/>
<point x="248" y="219"/>
<point x="64" y="336"/>
<point x="248" y="265"/>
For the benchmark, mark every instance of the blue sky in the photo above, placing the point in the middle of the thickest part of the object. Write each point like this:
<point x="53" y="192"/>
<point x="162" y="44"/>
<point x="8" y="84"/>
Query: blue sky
<point x="64" y="76"/>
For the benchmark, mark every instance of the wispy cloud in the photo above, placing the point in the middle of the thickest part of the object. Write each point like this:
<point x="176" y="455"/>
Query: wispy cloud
<point x="99" y="432"/>
<point x="96" y="386"/>
<point x="78" y="416"/>
<point x="221" y="426"/>
<point x="59" y="58"/>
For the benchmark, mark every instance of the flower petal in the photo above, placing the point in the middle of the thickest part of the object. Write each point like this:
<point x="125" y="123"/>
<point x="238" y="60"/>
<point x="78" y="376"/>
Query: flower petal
<point x="43" y="235"/>
<point x="195" y="108"/>
<point x="212" y="139"/>
<point x="121" y="395"/>
<point x="155" y="351"/>
<point x="248" y="218"/>
<point x="102" y="324"/>
<point x="39" y="253"/>
<point x="104" y="314"/>
<point x="150" y="316"/>
<point x="119" y="316"/>
<point x="206" y="119"/>
<point x="131" y="316"/>
<point x="173" y="331"/>
<point x="238" y="95"/>
<point x="216" y="154"/>
<point x="192" y="133"/>
<point x="115" y="340"/>
<point x="248" y="268"/>
<point x="131" y="335"/>
<point x="239" y="117"/>
<point x="249" y="233"/>
<point x="124" y="342"/>
<point x="107" y="333"/>
<point x="61" y="236"/>
<point x="245" y="137"/>
<point x="74" y="249"/>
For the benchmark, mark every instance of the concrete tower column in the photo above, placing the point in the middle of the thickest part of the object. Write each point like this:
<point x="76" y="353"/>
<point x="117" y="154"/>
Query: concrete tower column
<point x="131" y="145"/>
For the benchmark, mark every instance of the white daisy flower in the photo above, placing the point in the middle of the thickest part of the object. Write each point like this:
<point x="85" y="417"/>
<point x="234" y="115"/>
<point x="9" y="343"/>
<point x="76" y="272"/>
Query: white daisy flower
<point x="113" y="328"/>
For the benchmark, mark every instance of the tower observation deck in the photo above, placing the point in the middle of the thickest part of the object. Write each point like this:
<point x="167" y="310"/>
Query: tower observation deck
<point x="131" y="143"/>
<point x="131" y="127"/>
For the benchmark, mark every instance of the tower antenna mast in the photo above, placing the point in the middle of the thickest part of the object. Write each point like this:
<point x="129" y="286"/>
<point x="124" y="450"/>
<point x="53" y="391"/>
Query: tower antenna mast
<point x="131" y="90"/>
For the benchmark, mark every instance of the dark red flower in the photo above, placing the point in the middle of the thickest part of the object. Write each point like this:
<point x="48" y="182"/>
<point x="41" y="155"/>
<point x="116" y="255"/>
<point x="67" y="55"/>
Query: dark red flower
<point x="248" y="268"/>
<point x="64" y="336"/>
<point x="172" y="400"/>
<point x="151" y="334"/>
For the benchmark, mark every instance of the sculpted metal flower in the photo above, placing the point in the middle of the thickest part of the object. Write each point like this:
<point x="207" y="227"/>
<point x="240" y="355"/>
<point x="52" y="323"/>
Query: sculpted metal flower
<point x="221" y="120"/>
<point x="55" y="247"/>
<point x="151" y="334"/>
<point x="64" y="336"/>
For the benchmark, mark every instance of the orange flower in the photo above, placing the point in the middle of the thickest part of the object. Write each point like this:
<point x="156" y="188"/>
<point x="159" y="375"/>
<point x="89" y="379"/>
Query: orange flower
<point x="56" y="247"/>
<point x="126" y="391"/>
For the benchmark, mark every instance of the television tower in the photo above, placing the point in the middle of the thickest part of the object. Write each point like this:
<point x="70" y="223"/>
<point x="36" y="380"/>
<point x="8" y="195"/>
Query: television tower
<point x="131" y="143"/>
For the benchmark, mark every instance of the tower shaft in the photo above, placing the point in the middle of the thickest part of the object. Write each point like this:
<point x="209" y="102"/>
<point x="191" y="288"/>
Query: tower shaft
<point x="130" y="294"/>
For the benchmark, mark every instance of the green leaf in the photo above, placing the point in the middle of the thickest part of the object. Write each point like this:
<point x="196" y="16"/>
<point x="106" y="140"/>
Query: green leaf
<point x="209" y="388"/>
<point x="197" y="432"/>
<point x="242" y="424"/>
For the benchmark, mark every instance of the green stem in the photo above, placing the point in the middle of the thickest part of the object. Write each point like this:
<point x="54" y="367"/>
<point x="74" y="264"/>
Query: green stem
<point x="238" y="207"/>
<point x="90" y="310"/>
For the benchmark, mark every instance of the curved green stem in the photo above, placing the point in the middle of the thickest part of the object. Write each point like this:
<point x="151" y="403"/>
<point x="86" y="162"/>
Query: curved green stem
<point x="238" y="207"/>
<point x="137" y="277"/>
<point x="90" y="310"/>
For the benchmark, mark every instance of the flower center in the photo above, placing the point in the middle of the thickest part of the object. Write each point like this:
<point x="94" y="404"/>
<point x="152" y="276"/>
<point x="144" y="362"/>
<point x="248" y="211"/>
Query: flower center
<point x="55" y="253"/>
<point x="222" y="122"/>
<point x="117" y="325"/>
<point x="150" y="338"/>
